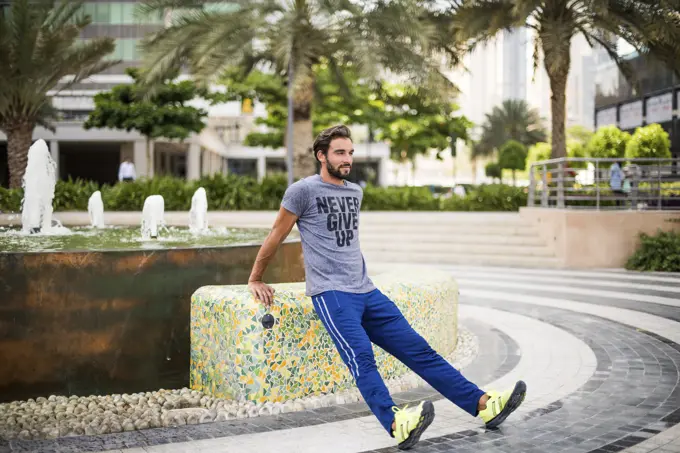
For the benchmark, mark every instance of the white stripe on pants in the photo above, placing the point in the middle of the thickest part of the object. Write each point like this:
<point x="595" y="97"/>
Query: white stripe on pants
<point x="333" y="330"/>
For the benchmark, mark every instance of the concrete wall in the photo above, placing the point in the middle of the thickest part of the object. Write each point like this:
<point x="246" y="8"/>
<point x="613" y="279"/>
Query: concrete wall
<point x="597" y="239"/>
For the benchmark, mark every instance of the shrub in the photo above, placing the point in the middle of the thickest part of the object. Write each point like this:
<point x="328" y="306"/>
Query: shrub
<point x="513" y="156"/>
<point x="130" y="196"/>
<point x="10" y="200"/>
<point x="497" y="197"/>
<point x="658" y="253"/>
<point x="70" y="195"/>
<point x="229" y="192"/>
<point x="608" y="142"/>
<point x="493" y="170"/>
<point x="649" y="142"/>
<point x="542" y="151"/>
<point x="576" y="149"/>
<point x="538" y="152"/>
<point x="399" y="199"/>
<point x="488" y="197"/>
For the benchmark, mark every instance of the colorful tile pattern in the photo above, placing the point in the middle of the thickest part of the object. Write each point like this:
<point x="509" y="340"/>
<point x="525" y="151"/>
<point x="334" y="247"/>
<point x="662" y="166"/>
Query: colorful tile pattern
<point x="234" y="357"/>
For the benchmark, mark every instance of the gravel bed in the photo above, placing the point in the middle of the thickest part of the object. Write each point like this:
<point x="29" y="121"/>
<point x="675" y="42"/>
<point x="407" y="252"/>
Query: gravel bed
<point x="59" y="416"/>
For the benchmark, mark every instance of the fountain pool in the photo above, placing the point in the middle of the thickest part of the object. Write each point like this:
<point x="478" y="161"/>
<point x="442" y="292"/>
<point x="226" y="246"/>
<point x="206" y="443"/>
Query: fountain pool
<point x="126" y="238"/>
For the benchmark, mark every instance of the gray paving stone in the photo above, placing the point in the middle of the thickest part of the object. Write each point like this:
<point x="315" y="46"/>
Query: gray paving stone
<point x="636" y="375"/>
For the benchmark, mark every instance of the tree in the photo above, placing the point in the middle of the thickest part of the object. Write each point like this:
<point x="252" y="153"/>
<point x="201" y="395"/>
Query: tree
<point x="290" y="38"/>
<point x="513" y="156"/>
<point x="608" y="142"/>
<point x="412" y="121"/>
<point x="161" y="114"/>
<point x="537" y="153"/>
<point x="415" y="124"/>
<point x="493" y="170"/>
<point x="649" y="142"/>
<point x="651" y="27"/>
<point x="39" y="48"/>
<point x="512" y="120"/>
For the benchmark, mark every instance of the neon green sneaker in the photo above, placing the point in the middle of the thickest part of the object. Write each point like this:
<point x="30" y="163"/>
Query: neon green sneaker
<point x="500" y="405"/>
<point x="410" y="423"/>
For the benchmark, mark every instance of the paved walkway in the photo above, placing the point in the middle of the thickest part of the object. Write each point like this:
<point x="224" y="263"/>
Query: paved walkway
<point x="600" y="352"/>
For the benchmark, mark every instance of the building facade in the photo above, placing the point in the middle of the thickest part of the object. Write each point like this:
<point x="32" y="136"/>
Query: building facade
<point x="654" y="97"/>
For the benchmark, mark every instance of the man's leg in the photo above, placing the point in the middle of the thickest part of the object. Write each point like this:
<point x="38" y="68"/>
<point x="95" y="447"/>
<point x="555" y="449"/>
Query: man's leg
<point x="387" y="327"/>
<point x="341" y="314"/>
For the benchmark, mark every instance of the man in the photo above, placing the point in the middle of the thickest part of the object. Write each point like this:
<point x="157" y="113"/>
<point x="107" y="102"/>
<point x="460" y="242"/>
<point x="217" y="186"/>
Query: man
<point x="126" y="171"/>
<point x="326" y="209"/>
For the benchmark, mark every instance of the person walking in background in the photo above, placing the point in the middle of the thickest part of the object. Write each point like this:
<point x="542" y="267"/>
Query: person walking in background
<point x="355" y="313"/>
<point x="616" y="178"/>
<point x="126" y="171"/>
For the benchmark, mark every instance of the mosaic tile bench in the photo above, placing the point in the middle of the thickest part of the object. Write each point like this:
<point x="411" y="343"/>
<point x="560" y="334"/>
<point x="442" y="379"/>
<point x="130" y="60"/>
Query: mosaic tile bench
<point x="234" y="357"/>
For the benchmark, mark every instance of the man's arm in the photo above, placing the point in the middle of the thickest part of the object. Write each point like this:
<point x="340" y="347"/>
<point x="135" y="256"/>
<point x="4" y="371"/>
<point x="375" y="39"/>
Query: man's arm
<point x="282" y="226"/>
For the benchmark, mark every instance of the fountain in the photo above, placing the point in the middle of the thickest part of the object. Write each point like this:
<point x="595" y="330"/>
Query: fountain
<point x="125" y="299"/>
<point x="152" y="216"/>
<point x="39" y="181"/>
<point x="95" y="207"/>
<point x="198" y="215"/>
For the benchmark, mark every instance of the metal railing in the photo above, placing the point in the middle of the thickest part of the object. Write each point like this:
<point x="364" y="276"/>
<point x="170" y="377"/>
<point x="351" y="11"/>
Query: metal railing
<point x="588" y="183"/>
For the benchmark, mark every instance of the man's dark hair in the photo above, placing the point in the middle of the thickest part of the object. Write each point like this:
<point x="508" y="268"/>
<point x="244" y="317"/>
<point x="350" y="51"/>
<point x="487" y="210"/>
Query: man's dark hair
<point x="324" y="139"/>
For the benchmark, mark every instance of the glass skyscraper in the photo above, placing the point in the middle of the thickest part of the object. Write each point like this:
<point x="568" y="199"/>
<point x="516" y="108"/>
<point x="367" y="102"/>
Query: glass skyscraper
<point x="118" y="20"/>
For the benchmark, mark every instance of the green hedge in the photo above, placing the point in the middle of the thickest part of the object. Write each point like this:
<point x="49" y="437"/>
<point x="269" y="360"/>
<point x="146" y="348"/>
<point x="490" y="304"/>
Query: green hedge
<point x="228" y="192"/>
<point x="658" y="253"/>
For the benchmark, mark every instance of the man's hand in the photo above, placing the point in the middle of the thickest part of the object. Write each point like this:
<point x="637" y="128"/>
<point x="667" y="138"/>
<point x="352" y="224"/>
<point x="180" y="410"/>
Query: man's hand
<point x="262" y="292"/>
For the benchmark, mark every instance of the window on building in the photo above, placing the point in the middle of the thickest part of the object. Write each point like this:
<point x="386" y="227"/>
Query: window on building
<point x="117" y="13"/>
<point x="129" y="49"/>
<point x="102" y="14"/>
<point x="128" y="13"/>
<point x="243" y="167"/>
<point x="126" y="50"/>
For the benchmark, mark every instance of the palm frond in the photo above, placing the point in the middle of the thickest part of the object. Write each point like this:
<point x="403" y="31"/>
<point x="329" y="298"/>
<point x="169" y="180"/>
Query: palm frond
<point x="535" y="56"/>
<point x="479" y="21"/>
<point x="651" y="27"/>
<point x="39" y="47"/>
<point x="205" y="41"/>
<point x="374" y="37"/>
<point x="403" y="38"/>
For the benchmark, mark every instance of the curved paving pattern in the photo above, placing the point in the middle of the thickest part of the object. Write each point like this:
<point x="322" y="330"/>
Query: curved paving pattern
<point x="600" y="352"/>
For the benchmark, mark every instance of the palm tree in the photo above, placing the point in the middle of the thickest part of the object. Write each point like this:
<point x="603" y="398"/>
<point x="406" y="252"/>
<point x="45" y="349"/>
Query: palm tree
<point x="39" y="46"/>
<point x="512" y="120"/>
<point x="651" y="27"/>
<point x="269" y="34"/>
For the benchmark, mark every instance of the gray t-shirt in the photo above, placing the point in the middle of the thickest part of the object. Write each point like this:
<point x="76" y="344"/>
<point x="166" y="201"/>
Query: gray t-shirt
<point x="328" y="220"/>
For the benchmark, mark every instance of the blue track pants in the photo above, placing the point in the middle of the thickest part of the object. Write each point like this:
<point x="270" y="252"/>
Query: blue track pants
<point x="354" y="321"/>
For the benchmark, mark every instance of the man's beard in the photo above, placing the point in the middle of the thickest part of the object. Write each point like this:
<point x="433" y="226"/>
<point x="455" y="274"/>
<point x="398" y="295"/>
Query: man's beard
<point x="335" y="171"/>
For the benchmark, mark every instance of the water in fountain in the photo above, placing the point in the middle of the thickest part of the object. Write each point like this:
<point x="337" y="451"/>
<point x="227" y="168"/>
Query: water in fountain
<point x="152" y="216"/>
<point x="39" y="181"/>
<point x="198" y="218"/>
<point x="95" y="207"/>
